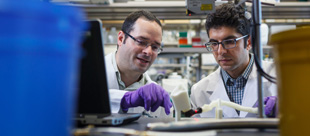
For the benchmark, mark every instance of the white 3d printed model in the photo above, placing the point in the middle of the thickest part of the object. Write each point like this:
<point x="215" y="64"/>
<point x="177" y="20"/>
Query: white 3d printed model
<point x="181" y="102"/>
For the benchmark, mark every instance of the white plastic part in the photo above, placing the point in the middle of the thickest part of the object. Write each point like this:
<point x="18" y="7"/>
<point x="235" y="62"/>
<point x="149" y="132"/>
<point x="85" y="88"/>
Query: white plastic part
<point x="219" y="113"/>
<point x="218" y="103"/>
<point x="180" y="101"/>
<point x="218" y="110"/>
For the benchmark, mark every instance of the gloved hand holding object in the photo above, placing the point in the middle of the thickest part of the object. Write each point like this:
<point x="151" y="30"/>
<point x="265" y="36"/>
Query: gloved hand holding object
<point x="151" y="96"/>
<point x="270" y="106"/>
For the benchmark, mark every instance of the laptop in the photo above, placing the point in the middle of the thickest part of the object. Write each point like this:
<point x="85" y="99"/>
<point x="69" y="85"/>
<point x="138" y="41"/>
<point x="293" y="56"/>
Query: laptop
<point x="93" y="97"/>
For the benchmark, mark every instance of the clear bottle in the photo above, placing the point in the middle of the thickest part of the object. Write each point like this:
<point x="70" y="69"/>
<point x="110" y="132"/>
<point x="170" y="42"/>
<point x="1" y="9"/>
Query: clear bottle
<point x="113" y="36"/>
<point x="105" y="35"/>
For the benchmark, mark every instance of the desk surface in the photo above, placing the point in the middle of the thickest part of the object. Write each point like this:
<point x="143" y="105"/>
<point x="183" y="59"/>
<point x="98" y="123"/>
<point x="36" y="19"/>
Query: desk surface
<point x="139" y="127"/>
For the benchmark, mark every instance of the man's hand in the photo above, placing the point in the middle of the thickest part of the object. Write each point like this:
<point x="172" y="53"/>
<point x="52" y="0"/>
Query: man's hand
<point x="151" y="96"/>
<point x="270" y="106"/>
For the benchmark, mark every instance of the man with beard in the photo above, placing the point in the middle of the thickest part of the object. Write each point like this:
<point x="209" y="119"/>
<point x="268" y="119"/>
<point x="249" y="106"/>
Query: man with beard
<point x="236" y="78"/>
<point x="131" y="89"/>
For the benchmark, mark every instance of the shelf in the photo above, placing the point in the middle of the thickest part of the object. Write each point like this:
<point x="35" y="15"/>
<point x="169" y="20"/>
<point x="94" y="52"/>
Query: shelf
<point x="175" y="50"/>
<point x="267" y="47"/>
<point x="287" y="10"/>
<point x="209" y="67"/>
<point x="197" y="50"/>
<point x="185" y="50"/>
<point x="184" y="65"/>
<point x="169" y="65"/>
<point x="177" y="9"/>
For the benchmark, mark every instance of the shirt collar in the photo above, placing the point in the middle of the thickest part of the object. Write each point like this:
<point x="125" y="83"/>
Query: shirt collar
<point x="117" y="73"/>
<point x="248" y="70"/>
<point x="121" y="84"/>
<point x="244" y="75"/>
<point x="114" y="62"/>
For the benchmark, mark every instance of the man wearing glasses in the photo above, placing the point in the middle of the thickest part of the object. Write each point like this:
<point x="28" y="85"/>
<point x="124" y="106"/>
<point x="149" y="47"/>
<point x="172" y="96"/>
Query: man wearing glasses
<point x="131" y="89"/>
<point x="236" y="78"/>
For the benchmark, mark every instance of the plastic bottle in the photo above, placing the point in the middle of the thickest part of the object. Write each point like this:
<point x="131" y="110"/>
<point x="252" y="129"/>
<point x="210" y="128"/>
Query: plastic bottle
<point x="113" y="36"/>
<point x="105" y="35"/>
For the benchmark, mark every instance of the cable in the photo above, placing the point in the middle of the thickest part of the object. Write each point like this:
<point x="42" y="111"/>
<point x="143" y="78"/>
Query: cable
<point x="255" y="49"/>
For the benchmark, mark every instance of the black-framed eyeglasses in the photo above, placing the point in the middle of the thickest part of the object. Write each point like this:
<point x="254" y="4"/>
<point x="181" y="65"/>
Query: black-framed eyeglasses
<point x="155" y="48"/>
<point x="227" y="44"/>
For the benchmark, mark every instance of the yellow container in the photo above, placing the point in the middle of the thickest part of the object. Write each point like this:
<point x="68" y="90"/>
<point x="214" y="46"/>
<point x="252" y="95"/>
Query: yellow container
<point x="292" y="58"/>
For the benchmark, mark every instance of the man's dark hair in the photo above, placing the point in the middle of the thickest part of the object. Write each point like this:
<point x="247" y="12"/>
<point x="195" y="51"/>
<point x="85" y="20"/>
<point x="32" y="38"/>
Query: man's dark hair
<point x="229" y="15"/>
<point x="134" y="16"/>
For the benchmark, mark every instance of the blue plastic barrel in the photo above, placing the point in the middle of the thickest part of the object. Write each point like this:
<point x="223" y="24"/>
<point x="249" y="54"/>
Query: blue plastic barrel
<point x="39" y="61"/>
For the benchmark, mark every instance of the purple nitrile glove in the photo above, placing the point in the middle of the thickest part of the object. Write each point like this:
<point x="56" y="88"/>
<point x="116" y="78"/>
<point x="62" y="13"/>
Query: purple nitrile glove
<point x="151" y="96"/>
<point x="270" y="103"/>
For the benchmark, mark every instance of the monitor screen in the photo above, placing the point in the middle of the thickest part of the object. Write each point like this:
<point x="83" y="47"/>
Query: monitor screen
<point x="93" y="95"/>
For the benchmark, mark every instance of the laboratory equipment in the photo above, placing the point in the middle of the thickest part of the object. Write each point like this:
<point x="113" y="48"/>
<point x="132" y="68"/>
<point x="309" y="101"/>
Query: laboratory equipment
<point x="199" y="7"/>
<point x="291" y="54"/>
<point x="173" y="81"/>
<point x="218" y="111"/>
<point x="180" y="101"/>
<point x="181" y="104"/>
